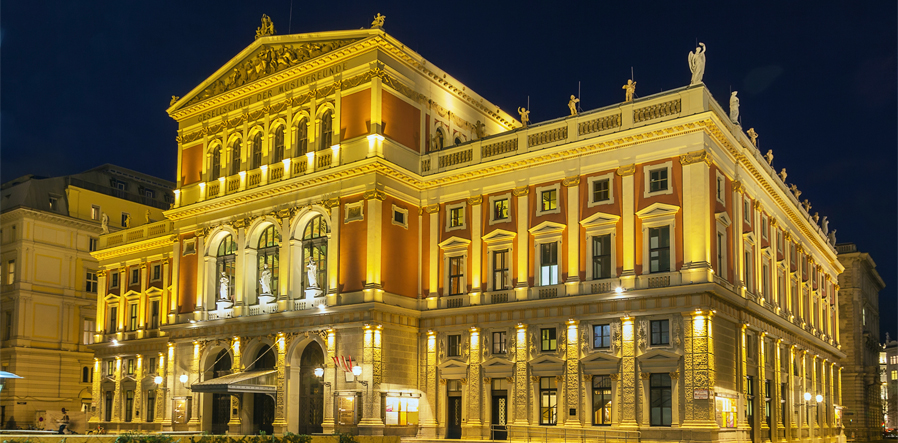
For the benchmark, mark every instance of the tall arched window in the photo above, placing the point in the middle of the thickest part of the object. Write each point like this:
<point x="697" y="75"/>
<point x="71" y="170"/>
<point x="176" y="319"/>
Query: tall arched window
<point x="314" y="246"/>
<point x="235" y="157"/>
<point x="267" y="253"/>
<point x="225" y="262"/>
<point x="327" y="130"/>
<point x="302" y="138"/>
<point x="257" y="151"/>
<point x="278" y="153"/>
<point x="216" y="163"/>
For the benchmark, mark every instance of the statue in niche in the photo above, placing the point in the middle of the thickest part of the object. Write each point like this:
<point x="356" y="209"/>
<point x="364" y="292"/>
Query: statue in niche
<point x="267" y="27"/>
<point x="438" y="140"/>
<point x="224" y="283"/>
<point x="734" y="108"/>
<point x="378" y="21"/>
<point x="795" y="191"/>
<point x="312" y="273"/>
<point x="104" y="223"/>
<point x="697" y="64"/>
<point x="784" y="174"/>
<point x="825" y="225"/>
<point x="126" y="220"/>
<point x="525" y="116"/>
<point x="769" y="157"/>
<point x="832" y="237"/>
<point x="753" y="136"/>
<point x="629" y="90"/>
<point x="174" y="99"/>
<point x="265" y="280"/>
<point x="572" y="104"/>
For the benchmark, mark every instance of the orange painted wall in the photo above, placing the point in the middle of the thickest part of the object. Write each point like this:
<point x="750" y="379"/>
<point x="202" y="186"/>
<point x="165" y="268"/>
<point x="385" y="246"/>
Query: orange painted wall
<point x="425" y="254"/>
<point x="355" y="114"/>
<point x="401" y="121"/>
<point x="717" y="207"/>
<point x="353" y="249"/>
<point x="191" y="165"/>
<point x="509" y="225"/>
<point x="399" y="267"/>
<point x="611" y="208"/>
<point x="157" y="283"/>
<point x="460" y="233"/>
<point x="676" y="199"/>
<point x="116" y="290"/>
<point x="187" y="280"/>
<point x="136" y="286"/>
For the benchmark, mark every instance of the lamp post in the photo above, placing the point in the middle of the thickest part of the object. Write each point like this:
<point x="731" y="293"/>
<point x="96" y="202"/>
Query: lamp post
<point x="319" y="372"/>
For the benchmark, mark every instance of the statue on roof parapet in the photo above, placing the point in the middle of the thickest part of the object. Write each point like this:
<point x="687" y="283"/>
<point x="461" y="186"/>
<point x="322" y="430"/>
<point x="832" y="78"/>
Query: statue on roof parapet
<point x="783" y="175"/>
<point x="697" y="64"/>
<point x="572" y="104"/>
<point x="753" y="136"/>
<point x="525" y="116"/>
<point x="769" y="157"/>
<point x="267" y="27"/>
<point x="378" y="21"/>
<point x="734" y="108"/>
<point x="630" y="89"/>
<point x="174" y="99"/>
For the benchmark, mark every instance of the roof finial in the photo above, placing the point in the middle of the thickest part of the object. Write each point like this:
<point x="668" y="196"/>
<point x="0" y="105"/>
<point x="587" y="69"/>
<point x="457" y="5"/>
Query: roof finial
<point x="378" y="21"/>
<point x="267" y="27"/>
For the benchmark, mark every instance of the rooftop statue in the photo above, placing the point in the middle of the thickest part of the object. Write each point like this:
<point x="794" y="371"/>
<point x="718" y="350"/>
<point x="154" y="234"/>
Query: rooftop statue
<point x="267" y="27"/>
<point x="783" y="175"/>
<point x="807" y="205"/>
<point x="478" y="130"/>
<point x="378" y="21"/>
<point x="753" y="136"/>
<point x="697" y="64"/>
<point x="525" y="116"/>
<point x="795" y="191"/>
<point x="816" y="217"/>
<point x="825" y="225"/>
<point x="832" y="237"/>
<point x="769" y="157"/>
<point x="174" y="99"/>
<point x="734" y="108"/>
<point x="572" y="104"/>
<point x="630" y="88"/>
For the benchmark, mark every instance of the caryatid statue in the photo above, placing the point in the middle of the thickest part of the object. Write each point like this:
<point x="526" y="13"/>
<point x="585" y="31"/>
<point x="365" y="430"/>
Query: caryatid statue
<point x="734" y="108"/>
<point x="525" y="116"/>
<point x="697" y="64"/>
<point x="572" y="104"/>
<point x="630" y="89"/>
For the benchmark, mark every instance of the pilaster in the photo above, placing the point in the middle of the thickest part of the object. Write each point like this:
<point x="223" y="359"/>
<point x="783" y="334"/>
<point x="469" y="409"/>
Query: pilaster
<point x="522" y="247"/>
<point x="138" y="391"/>
<point x="200" y="276"/>
<point x="374" y="220"/>
<point x="572" y="379"/>
<point x="117" y="393"/>
<point x="628" y="208"/>
<point x="280" y="407"/>
<point x="194" y="422"/>
<point x="434" y="251"/>
<point x="521" y="383"/>
<point x="573" y="235"/>
<point x="698" y="373"/>
<point x="472" y="427"/>
<point x="476" y="249"/>
<point x="161" y="398"/>
<point x="234" y="424"/>
<point x="330" y="373"/>
<point x="627" y="418"/>
<point x="95" y="392"/>
<point x="371" y="423"/>
<point x="697" y="232"/>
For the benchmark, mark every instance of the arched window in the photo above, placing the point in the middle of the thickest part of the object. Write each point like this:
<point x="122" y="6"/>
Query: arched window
<point x="314" y="247"/>
<point x="235" y="157"/>
<point x="302" y="138"/>
<point x="267" y="253"/>
<point x="438" y="140"/>
<point x="85" y="375"/>
<point x="225" y="263"/>
<point x="257" y="151"/>
<point x="327" y="130"/>
<point x="216" y="163"/>
<point x="278" y="153"/>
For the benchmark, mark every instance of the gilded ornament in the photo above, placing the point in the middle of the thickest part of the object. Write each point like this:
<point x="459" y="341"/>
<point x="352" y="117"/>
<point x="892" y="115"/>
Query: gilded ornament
<point x="378" y="21"/>
<point x="756" y="204"/>
<point x="267" y="27"/>
<point x="630" y="89"/>
<point x="571" y="181"/>
<point x="509" y="379"/>
<point x="534" y="379"/>
<point x="442" y="381"/>
<point x="614" y="376"/>
<point x="283" y="213"/>
<point x="738" y="187"/>
<point x="520" y="191"/>
<point x="331" y="202"/>
<point x="674" y="375"/>
<point x="475" y="200"/>
<point x="644" y="375"/>
<point x="626" y="170"/>
<point x="374" y="194"/>
<point x="753" y="136"/>
<point x="572" y="104"/>
<point x="432" y="208"/>
<point x="174" y="99"/>
<point x="694" y="157"/>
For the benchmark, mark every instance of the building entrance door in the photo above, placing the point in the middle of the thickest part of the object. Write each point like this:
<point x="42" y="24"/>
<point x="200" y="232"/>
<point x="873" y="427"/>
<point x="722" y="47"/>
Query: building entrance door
<point x="311" y="392"/>
<point x="453" y="430"/>
<point x="221" y="413"/>
<point x="263" y="412"/>
<point x="500" y="414"/>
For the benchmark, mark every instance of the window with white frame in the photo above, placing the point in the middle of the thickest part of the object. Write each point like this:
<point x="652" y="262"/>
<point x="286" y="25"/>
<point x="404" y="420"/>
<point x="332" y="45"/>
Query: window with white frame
<point x="499" y="342"/>
<point x="548" y="199"/>
<point x="500" y="208"/>
<point x="454" y="271"/>
<point x="548" y="264"/>
<point x="657" y="179"/>
<point x="721" y="189"/>
<point x="765" y="280"/>
<point x="90" y="281"/>
<point x="400" y="217"/>
<point x="88" y="329"/>
<point x="779" y="241"/>
<point x="659" y="249"/>
<point x="749" y="267"/>
<point x="764" y="227"/>
<point x="354" y="211"/>
<point x="658" y="245"/>
<point x="601" y="256"/>
<point x="501" y="277"/>
<point x="601" y="336"/>
<point x="547" y="238"/>
<point x="456" y="275"/>
<point x="601" y="231"/>
<point x="746" y="210"/>
<point x="135" y="276"/>
<point x="132" y="317"/>
<point x="455" y="216"/>
<point x="601" y="189"/>
<point x="113" y="279"/>
<point x="157" y="272"/>
<point x="499" y="249"/>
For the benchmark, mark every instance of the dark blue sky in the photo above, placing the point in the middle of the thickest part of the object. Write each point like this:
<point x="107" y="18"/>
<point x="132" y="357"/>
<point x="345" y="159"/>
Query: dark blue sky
<point x="87" y="82"/>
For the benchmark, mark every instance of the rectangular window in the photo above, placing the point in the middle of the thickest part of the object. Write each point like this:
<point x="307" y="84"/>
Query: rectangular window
<point x="129" y="404"/>
<point x="7" y="325"/>
<point x="456" y="275"/>
<point x="548" y="401"/>
<point x="112" y="320"/>
<point x="456" y="217"/>
<point x="11" y="272"/>
<point x="454" y="346"/>
<point x="110" y="367"/>
<point x="93" y="244"/>
<point x="157" y="272"/>
<point x="113" y="280"/>
<point x="783" y="392"/>
<point x="601" y="256"/>
<point x="601" y="336"/>
<point x="135" y="276"/>
<point x="658" y="180"/>
<point x="748" y="352"/>
<point x="768" y="405"/>
<point x="132" y="317"/>
<point x="894" y="375"/>
<point x="548" y="264"/>
<point x="54" y="203"/>
<point x="399" y="217"/>
<point x="764" y="227"/>
<point x="659" y="399"/>
<point x="94" y="212"/>
<point x="151" y="366"/>
<point x="549" y="199"/>
<point x="500" y="209"/>
<point x="720" y="244"/>
<point x="499" y="342"/>
<point x="548" y="339"/>
<point x="660" y="332"/>
<point x="154" y="314"/>
<point x="746" y="211"/>
<point x="659" y="249"/>
<point x="500" y="270"/>
<point x="720" y="188"/>
<point x="151" y="405"/>
<point x="779" y="241"/>
<point x="749" y="267"/>
<point x="600" y="191"/>
<point x="400" y="411"/>
<point x="765" y="281"/>
<point x="601" y="400"/>
<point x="90" y="281"/>
<point x="130" y="366"/>
<point x="88" y="330"/>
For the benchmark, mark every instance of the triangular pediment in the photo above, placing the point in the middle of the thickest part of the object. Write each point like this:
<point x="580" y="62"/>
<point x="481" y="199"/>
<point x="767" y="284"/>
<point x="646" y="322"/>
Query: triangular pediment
<point x="497" y="367"/>
<point x="499" y="236"/>
<point x="454" y="242"/>
<point x="453" y="368"/>
<point x="600" y="362"/>
<point x="723" y="218"/>
<point x="659" y="359"/>
<point x="275" y="54"/>
<point x="547" y="228"/>
<point x="657" y="210"/>
<point x="600" y="219"/>
<point x="546" y="365"/>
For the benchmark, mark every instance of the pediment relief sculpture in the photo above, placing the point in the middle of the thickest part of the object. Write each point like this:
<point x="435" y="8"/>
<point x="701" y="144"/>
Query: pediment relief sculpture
<point x="268" y="60"/>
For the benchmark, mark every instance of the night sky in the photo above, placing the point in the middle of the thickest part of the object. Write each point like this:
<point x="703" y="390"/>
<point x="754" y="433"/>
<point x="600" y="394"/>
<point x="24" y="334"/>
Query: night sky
<point x="86" y="83"/>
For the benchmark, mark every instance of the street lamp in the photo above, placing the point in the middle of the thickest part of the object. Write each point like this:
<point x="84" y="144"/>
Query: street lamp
<point x="158" y="380"/>
<point x="183" y="378"/>
<point x="319" y="372"/>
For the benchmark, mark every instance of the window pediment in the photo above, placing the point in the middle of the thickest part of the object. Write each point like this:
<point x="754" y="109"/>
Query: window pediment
<point x="497" y="367"/>
<point x="600" y="362"/>
<point x="546" y="365"/>
<point x="657" y="210"/>
<point x="454" y="244"/>
<point x="659" y="359"/>
<point x="547" y="228"/>
<point x="723" y="218"/>
<point x="499" y="236"/>
<point x="600" y="219"/>
<point x="453" y="368"/>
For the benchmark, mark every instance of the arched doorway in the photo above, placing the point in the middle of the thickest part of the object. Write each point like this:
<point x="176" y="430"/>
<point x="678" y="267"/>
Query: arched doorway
<point x="263" y="404"/>
<point x="221" y="403"/>
<point x="311" y="391"/>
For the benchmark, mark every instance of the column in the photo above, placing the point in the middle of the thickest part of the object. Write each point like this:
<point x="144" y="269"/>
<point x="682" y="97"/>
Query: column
<point x="117" y="394"/>
<point x="166" y="293"/>
<point x="280" y="407"/>
<point x="101" y="302"/>
<point x="476" y="291"/>
<point x="240" y="271"/>
<point x="138" y="391"/>
<point x="628" y="209"/>
<point x="738" y="245"/>
<point x="627" y="417"/>
<point x="142" y="305"/>
<point x="371" y="423"/>
<point x="234" y="424"/>
<point x="434" y="254"/>
<point x="97" y="401"/>
<point x="572" y="378"/>
<point x="374" y="202"/>
<point x="698" y="373"/>
<point x="330" y="373"/>
<point x="193" y="377"/>
<point x="522" y="288"/>
<point x="333" y="246"/>
<point x="159" y="416"/>
<point x="472" y="428"/>
<point x="200" y="276"/>
<point x="762" y="376"/>
<point x="173" y="295"/>
<point x="286" y="263"/>
<point x="697" y="230"/>
<point x="777" y="400"/>
<point x="429" y="424"/>
<point x="572" y="285"/>
<point x="521" y="382"/>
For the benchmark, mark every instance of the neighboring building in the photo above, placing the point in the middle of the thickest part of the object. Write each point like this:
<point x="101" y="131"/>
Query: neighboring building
<point x="859" y="313"/>
<point x="888" y="363"/>
<point x="48" y="295"/>
<point x="346" y="198"/>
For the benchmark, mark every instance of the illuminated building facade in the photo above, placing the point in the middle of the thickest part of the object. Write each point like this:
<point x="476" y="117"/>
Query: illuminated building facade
<point x="634" y="268"/>
<point x="49" y="286"/>
<point x="888" y="372"/>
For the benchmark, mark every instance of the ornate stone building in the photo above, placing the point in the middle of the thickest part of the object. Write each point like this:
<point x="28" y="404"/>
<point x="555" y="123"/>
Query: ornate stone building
<point x="360" y="242"/>
<point x="48" y="290"/>
<point x="859" y="311"/>
<point x="888" y="371"/>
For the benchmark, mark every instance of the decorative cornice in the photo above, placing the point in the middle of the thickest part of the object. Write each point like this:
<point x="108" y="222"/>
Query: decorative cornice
<point x="624" y="171"/>
<point x="571" y="181"/>
<point x="150" y="245"/>
<point x="521" y="190"/>
<point x="376" y="194"/>
<point x="695" y="157"/>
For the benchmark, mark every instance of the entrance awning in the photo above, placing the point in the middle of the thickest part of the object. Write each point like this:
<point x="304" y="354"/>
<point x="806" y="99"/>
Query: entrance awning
<point x="263" y="382"/>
